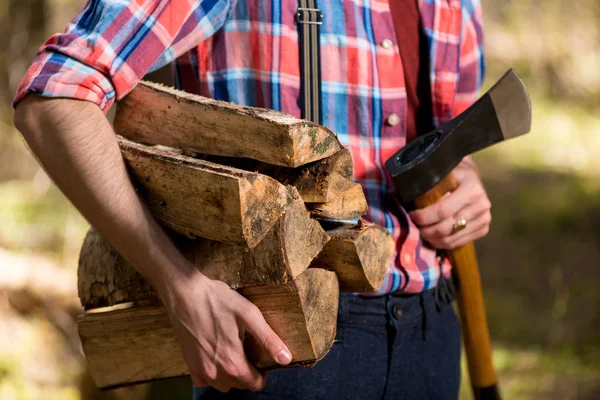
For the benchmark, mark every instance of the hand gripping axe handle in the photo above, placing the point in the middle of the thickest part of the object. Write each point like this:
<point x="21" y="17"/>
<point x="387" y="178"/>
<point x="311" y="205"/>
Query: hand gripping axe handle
<point x="422" y="174"/>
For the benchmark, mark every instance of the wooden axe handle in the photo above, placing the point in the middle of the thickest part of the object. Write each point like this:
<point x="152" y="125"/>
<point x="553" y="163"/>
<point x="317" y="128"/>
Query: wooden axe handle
<point x="476" y="336"/>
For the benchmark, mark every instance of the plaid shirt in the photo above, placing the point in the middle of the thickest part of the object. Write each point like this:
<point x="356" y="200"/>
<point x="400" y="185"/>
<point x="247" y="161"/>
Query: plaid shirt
<point x="247" y="52"/>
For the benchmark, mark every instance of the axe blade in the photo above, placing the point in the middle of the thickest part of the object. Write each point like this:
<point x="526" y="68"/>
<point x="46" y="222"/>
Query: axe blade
<point x="503" y="112"/>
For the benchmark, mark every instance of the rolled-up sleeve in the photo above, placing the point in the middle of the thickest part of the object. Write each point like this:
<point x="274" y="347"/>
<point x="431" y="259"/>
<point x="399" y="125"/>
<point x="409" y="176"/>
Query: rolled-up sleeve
<point x="112" y="44"/>
<point x="471" y="61"/>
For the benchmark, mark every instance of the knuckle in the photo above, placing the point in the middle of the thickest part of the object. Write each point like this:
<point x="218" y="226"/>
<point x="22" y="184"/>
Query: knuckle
<point x="253" y="313"/>
<point x="210" y="373"/>
<point x="438" y="231"/>
<point x="270" y="341"/>
<point x="487" y="218"/>
<point x="443" y="211"/>
<point x="485" y="204"/>
<point x="257" y="386"/>
<point x="223" y="389"/>
<point x="231" y="370"/>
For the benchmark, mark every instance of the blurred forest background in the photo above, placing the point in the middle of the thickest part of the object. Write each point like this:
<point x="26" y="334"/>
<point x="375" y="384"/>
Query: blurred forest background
<point x="540" y="263"/>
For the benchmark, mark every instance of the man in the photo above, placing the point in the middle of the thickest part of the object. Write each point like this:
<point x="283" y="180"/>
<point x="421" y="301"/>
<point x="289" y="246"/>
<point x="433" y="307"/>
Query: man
<point x="382" y="84"/>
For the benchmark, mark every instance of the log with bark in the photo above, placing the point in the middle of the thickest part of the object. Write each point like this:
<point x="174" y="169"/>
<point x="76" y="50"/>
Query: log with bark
<point x="359" y="254"/>
<point x="138" y="344"/>
<point x="105" y="278"/>
<point x="201" y="199"/>
<point x="157" y="114"/>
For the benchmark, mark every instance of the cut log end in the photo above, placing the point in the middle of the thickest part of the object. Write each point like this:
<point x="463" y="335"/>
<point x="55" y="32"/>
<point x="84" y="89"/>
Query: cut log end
<point x="348" y="205"/>
<point x="104" y="278"/>
<point x="324" y="180"/>
<point x="303" y="237"/>
<point x="359" y="254"/>
<point x="308" y="335"/>
<point x="313" y="142"/>
<point x="319" y="294"/>
<point x="138" y="344"/>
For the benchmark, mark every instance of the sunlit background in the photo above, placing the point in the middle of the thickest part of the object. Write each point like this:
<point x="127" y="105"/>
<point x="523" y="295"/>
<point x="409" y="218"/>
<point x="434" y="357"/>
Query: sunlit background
<point x="540" y="263"/>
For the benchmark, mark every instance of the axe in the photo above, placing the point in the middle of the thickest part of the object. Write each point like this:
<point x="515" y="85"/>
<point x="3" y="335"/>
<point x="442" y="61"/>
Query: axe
<point x="422" y="174"/>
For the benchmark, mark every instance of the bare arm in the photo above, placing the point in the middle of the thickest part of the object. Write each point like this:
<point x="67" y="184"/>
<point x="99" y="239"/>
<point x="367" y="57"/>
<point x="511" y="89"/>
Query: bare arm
<point x="75" y="143"/>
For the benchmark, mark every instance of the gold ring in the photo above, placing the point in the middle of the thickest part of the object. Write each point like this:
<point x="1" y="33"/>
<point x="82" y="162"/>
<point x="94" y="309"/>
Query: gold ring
<point x="459" y="224"/>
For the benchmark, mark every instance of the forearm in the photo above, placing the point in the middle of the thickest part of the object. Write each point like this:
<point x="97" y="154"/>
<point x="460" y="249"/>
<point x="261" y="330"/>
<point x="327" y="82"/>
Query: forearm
<point x="76" y="145"/>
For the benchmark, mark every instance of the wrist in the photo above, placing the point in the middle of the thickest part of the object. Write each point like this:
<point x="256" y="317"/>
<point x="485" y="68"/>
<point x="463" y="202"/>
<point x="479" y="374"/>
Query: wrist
<point x="177" y="281"/>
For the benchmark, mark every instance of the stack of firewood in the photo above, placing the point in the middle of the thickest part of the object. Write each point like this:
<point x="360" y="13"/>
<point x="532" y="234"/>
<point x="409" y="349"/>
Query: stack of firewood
<point x="248" y="195"/>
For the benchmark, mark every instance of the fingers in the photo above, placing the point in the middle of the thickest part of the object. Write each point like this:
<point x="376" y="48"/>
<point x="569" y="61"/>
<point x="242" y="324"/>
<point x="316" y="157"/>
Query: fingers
<point x="237" y="372"/>
<point x="469" y="191"/>
<point x="266" y="337"/>
<point x="476" y="228"/>
<point x="445" y="208"/>
<point x="446" y="227"/>
<point x="249" y="377"/>
<point x="198" y="381"/>
<point x="212" y="343"/>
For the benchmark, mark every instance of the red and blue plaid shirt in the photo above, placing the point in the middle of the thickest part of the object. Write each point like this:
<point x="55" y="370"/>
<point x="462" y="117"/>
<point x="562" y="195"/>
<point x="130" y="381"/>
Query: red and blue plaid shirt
<point x="247" y="52"/>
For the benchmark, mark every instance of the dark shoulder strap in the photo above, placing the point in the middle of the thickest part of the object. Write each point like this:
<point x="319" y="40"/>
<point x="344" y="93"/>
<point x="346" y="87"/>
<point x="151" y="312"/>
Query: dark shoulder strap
<point x="309" y="20"/>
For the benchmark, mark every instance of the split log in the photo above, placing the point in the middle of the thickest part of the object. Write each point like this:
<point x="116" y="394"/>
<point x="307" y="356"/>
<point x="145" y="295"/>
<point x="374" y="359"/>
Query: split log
<point x="138" y="344"/>
<point x="359" y="254"/>
<point x="200" y="199"/>
<point x="320" y="181"/>
<point x="349" y="204"/>
<point x="317" y="182"/>
<point x="105" y="278"/>
<point x="156" y="114"/>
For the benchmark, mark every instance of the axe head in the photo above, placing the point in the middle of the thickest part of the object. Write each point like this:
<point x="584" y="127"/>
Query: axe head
<point x="502" y="113"/>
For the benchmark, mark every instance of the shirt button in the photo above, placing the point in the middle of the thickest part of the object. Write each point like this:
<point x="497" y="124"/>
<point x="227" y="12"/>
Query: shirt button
<point x="407" y="258"/>
<point x="387" y="43"/>
<point x="393" y="119"/>
<point x="397" y="311"/>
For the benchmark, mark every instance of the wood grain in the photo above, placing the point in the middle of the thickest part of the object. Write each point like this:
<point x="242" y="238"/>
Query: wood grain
<point x="106" y="279"/>
<point x="349" y="204"/>
<point x="320" y="181"/>
<point x="317" y="182"/>
<point x="138" y="344"/>
<point x="359" y="254"/>
<point x="201" y="199"/>
<point x="156" y="114"/>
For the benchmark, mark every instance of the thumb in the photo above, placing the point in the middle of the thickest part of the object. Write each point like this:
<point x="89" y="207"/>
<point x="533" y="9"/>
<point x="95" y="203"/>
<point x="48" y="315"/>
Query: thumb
<point x="267" y="338"/>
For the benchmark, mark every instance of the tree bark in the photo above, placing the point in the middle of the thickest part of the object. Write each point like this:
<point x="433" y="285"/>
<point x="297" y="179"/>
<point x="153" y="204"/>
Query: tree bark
<point x="105" y="278"/>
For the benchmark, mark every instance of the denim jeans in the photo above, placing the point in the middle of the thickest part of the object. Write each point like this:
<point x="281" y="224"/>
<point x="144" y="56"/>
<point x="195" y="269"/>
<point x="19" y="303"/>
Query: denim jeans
<point x="389" y="347"/>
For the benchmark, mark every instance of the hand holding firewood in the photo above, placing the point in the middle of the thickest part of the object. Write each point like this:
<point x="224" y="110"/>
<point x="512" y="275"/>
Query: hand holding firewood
<point x="240" y="192"/>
